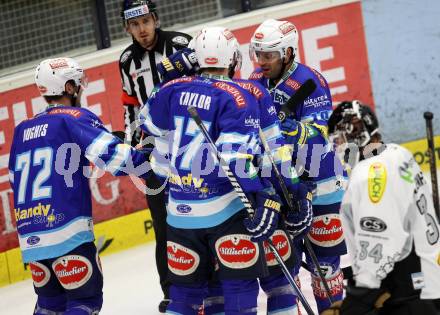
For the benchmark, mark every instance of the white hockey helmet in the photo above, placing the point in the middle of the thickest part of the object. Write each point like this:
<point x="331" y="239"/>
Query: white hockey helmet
<point x="216" y="47"/>
<point x="274" y="36"/>
<point x="51" y="75"/>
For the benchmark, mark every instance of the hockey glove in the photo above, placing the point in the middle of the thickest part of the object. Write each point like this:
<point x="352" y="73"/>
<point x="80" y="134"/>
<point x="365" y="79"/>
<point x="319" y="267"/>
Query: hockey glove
<point x="265" y="219"/>
<point x="294" y="132"/>
<point x="299" y="221"/>
<point x="182" y="62"/>
<point x="363" y="301"/>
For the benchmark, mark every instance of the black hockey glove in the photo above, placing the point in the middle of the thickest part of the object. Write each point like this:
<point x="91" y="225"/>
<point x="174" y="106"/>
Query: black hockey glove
<point x="182" y="62"/>
<point x="298" y="222"/>
<point x="363" y="301"/>
<point x="265" y="219"/>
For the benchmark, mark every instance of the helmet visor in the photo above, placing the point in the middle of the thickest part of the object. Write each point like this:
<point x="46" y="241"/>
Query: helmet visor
<point x="264" y="56"/>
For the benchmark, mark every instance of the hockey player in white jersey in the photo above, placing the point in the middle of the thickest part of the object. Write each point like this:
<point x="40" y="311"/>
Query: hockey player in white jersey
<point x="389" y="224"/>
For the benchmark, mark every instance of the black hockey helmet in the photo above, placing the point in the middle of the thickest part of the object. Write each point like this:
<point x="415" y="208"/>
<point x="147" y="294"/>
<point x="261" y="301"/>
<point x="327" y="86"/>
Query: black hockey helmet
<point x="134" y="8"/>
<point x="354" y="122"/>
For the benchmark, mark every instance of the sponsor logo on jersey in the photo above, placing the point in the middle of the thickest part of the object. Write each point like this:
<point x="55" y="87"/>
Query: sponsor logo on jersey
<point x="182" y="208"/>
<point x="319" y="76"/>
<point x="292" y="83"/>
<point x="281" y="242"/>
<point x="237" y="251"/>
<point x="135" y="12"/>
<point x="335" y="282"/>
<point x="180" y="40"/>
<point x="182" y="261"/>
<point x="272" y="110"/>
<point x="72" y="271"/>
<point x="252" y="88"/>
<point x="178" y="80"/>
<point x="187" y="180"/>
<point x="252" y="122"/>
<point x="33" y="240"/>
<point x="326" y="230"/>
<point x="40" y="274"/>
<point x="139" y="72"/>
<point x="67" y="111"/>
<point x="38" y="210"/>
<point x="280" y="97"/>
<point x="195" y="100"/>
<point x="316" y="102"/>
<point x="372" y="224"/>
<point x="377" y="180"/>
<point x="233" y="91"/>
<point x="125" y="56"/>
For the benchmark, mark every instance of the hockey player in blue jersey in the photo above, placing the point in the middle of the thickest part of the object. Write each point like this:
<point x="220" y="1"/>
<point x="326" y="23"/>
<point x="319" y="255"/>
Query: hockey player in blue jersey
<point x="275" y="285"/>
<point x="274" y="46"/>
<point x="199" y="221"/>
<point x="48" y="168"/>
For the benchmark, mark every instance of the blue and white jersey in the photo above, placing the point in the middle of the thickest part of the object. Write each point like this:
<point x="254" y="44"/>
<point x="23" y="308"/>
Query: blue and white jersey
<point x="270" y="128"/>
<point x="48" y="168"/>
<point x="200" y="195"/>
<point x="313" y="154"/>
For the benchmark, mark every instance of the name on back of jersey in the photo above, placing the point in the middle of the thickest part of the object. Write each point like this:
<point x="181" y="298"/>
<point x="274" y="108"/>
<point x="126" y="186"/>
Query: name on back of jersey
<point x="193" y="99"/>
<point x="34" y="132"/>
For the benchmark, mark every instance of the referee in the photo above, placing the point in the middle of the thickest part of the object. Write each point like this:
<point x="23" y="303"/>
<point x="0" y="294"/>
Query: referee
<point x="137" y="65"/>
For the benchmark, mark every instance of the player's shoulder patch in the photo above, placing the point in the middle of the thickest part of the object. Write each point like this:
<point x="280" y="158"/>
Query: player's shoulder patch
<point x="180" y="40"/>
<point x="178" y="80"/>
<point x="233" y="91"/>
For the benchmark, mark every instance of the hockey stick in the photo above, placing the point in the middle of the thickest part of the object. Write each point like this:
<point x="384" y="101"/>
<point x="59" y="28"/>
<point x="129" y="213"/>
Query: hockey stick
<point x="225" y="167"/>
<point x="304" y="91"/>
<point x="432" y="162"/>
<point x="292" y="208"/>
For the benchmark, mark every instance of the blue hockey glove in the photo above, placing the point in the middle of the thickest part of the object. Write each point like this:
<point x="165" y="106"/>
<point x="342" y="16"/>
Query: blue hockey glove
<point x="299" y="221"/>
<point x="182" y="62"/>
<point x="291" y="130"/>
<point x="265" y="219"/>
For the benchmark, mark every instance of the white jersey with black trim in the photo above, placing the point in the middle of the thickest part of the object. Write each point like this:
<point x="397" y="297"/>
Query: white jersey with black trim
<point x="386" y="209"/>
